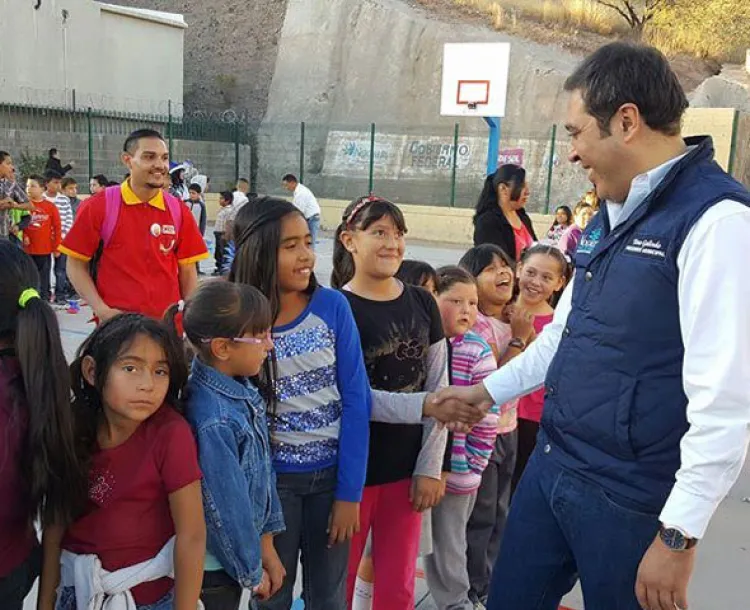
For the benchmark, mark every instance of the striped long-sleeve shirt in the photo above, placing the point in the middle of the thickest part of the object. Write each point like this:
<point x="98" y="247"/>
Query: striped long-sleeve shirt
<point x="471" y="362"/>
<point x="323" y="413"/>
<point x="65" y="209"/>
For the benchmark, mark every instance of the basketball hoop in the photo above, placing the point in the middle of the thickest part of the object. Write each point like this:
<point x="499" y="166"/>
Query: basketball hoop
<point x="472" y="93"/>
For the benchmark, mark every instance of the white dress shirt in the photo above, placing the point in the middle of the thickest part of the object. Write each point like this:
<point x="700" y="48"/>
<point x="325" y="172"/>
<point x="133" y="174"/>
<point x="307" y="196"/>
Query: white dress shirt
<point x="713" y="293"/>
<point x="305" y="201"/>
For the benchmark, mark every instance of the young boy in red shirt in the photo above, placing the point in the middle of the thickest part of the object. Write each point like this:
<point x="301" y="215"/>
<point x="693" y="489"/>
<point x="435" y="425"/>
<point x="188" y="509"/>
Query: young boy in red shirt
<point x="42" y="236"/>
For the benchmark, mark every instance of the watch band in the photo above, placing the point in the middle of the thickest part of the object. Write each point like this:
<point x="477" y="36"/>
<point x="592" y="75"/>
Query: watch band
<point x="675" y="539"/>
<point x="518" y="343"/>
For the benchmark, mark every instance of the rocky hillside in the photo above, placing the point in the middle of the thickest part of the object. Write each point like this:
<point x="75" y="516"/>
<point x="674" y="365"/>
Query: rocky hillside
<point x="230" y="50"/>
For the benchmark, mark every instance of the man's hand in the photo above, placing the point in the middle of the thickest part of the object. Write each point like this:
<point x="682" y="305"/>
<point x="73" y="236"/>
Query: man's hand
<point x="457" y="406"/>
<point x="425" y="493"/>
<point x="263" y="590"/>
<point x="343" y="522"/>
<point x="272" y="564"/>
<point x="663" y="577"/>
<point x="6" y="204"/>
<point x="107" y="313"/>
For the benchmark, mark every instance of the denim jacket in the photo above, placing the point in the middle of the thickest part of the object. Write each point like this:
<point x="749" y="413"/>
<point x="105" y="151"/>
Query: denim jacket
<point x="228" y="417"/>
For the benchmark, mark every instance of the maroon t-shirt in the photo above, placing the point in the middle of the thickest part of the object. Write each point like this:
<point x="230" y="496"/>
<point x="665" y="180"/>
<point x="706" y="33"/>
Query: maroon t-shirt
<point x="128" y="518"/>
<point x="17" y="537"/>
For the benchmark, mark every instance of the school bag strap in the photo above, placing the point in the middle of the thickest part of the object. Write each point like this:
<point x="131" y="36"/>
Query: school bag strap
<point x="112" y="212"/>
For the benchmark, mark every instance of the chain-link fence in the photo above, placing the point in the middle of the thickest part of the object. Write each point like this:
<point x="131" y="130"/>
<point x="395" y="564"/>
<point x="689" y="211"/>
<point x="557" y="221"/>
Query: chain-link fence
<point x="442" y="165"/>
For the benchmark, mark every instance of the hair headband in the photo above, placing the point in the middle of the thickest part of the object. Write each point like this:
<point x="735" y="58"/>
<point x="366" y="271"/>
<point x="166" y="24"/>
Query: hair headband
<point x="364" y="201"/>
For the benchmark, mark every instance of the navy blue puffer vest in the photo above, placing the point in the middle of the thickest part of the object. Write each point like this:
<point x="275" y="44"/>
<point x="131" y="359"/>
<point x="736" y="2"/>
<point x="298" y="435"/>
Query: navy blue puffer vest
<point x="615" y="408"/>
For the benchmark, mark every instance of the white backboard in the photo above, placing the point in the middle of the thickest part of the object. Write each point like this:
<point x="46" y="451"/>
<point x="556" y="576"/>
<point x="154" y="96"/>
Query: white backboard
<point x="476" y="72"/>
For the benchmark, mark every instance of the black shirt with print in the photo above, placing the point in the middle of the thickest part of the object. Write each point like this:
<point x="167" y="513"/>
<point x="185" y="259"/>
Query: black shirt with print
<point x="396" y="336"/>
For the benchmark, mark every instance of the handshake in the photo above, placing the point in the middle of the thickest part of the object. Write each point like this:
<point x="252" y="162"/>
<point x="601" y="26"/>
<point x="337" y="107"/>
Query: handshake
<point x="459" y="408"/>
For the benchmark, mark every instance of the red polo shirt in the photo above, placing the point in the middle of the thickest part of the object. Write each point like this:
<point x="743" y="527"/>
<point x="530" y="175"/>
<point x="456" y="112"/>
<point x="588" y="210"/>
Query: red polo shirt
<point x="138" y="270"/>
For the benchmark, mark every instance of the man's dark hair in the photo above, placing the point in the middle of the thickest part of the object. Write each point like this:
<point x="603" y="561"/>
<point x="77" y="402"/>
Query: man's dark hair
<point x="195" y="187"/>
<point x="50" y="175"/>
<point x="620" y="73"/>
<point x="52" y="152"/>
<point x="3" y="155"/>
<point x="227" y="196"/>
<point x="36" y="178"/>
<point x="67" y="181"/>
<point x="131" y="142"/>
<point x="101" y="180"/>
<point x="290" y="178"/>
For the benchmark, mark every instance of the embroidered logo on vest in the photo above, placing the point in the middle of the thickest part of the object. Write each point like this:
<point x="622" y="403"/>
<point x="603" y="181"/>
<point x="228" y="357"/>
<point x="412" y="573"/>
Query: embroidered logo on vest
<point x="588" y="242"/>
<point x="649" y="247"/>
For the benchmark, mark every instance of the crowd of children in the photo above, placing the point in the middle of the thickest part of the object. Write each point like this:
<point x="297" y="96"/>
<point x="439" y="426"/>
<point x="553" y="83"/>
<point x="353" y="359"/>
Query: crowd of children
<point x="299" y="432"/>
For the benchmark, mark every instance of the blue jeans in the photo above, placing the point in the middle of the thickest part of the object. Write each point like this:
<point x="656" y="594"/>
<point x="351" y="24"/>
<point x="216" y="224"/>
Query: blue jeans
<point x="313" y="223"/>
<point x="307" y="500"/>
<point x="61" y="277"/>
<point x="562" y="527"/>
<point x="66" y="600"/>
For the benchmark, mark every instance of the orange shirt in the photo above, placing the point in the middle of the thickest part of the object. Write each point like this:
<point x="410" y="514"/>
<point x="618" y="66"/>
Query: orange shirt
<point x="138" y="270"/>
<point x="42" y="236"/>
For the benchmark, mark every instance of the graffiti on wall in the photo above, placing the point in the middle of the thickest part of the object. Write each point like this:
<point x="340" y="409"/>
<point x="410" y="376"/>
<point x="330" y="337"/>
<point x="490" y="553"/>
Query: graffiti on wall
<point x="513" y="156"/>
<point x="430" y="154"/>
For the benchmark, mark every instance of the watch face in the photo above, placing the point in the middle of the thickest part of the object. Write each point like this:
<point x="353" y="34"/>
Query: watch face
<point x="673" y="539"/>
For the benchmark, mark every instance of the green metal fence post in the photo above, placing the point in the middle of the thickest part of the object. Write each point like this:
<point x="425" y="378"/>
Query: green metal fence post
<point x="733" y="145"/>
<point x="236" y="151"/>
<point x="550" y="167"/>
<point x="302" y="151"/>
<point x="91" y="142"/>
<point x="454" y="165"/>
<point x="371" y="184"/>
<point x="169" y="129"/>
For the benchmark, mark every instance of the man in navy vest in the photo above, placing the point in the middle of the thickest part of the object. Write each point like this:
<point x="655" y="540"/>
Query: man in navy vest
<point x="646" y="364"/>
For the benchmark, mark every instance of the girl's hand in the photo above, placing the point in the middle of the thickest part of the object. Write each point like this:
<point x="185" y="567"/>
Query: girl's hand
<point x="272" y="564"/>
<point x="425" y="493"/>
<point x="521" y="323"/>
<point x="343" y="523"/>
<point x="263" y="590"/>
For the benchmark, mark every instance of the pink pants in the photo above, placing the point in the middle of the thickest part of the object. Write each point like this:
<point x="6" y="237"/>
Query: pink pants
<point x="395" y="545"/>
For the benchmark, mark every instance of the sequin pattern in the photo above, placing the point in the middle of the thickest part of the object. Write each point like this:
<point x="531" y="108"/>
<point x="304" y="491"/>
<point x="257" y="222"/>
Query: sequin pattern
<point x="303" y="341"/>
<point x="305" y="382"/>
<point x="308" y="453"/>
<point x="305" y="421"/>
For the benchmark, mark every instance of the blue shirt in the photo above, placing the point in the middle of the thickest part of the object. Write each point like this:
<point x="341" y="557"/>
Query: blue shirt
<point x="323" y="412"/>
<point x="228" y="417"/>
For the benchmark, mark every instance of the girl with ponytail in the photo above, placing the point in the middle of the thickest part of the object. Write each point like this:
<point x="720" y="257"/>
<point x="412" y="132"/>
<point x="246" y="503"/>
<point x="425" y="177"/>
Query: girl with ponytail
<point x="40" y="475"/>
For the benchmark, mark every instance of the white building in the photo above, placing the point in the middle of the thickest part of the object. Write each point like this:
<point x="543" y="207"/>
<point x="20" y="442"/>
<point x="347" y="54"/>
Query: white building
<point x="84" y="53"/>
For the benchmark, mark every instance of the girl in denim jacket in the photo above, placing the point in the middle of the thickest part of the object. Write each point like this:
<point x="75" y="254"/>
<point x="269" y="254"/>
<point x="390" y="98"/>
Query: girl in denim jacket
<point x="228" y="327"/>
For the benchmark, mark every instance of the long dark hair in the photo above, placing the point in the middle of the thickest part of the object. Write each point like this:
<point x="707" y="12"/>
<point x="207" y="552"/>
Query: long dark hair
<point x="221" y="309"/>
<point x="257" y="237"/>
<point x="416" y="273"/>
<point x="104" y="346"/>
<point x="359" y="215"/>
<point x="568" y="215"/>
<point x="56" y="485"/>
<point x="512" y="176"/>
<point x="477" y="259"/>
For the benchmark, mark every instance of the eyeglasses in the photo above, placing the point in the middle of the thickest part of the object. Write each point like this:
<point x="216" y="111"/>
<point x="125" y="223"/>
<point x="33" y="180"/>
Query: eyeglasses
<point x="247" y="340"/>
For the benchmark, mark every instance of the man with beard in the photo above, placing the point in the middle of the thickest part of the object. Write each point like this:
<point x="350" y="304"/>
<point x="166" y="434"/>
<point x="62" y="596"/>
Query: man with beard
<point x="144" y="242"/>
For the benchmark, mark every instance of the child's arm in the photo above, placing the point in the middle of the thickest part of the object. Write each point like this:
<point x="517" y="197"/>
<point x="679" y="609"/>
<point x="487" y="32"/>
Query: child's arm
<point x="56" y="228"/>
<point x="190" y="545"/>
<point x="50" y="578"/>
<point x="480" y="440"/>
<point x="354" y="433"/>
<point x="427" y="479"/>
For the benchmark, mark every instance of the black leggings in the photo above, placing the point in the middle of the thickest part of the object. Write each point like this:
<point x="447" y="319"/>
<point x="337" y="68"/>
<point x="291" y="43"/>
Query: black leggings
<point x="527" y="431"/>
<point x="220" y="591"/>
<point x="16" y="586"/>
